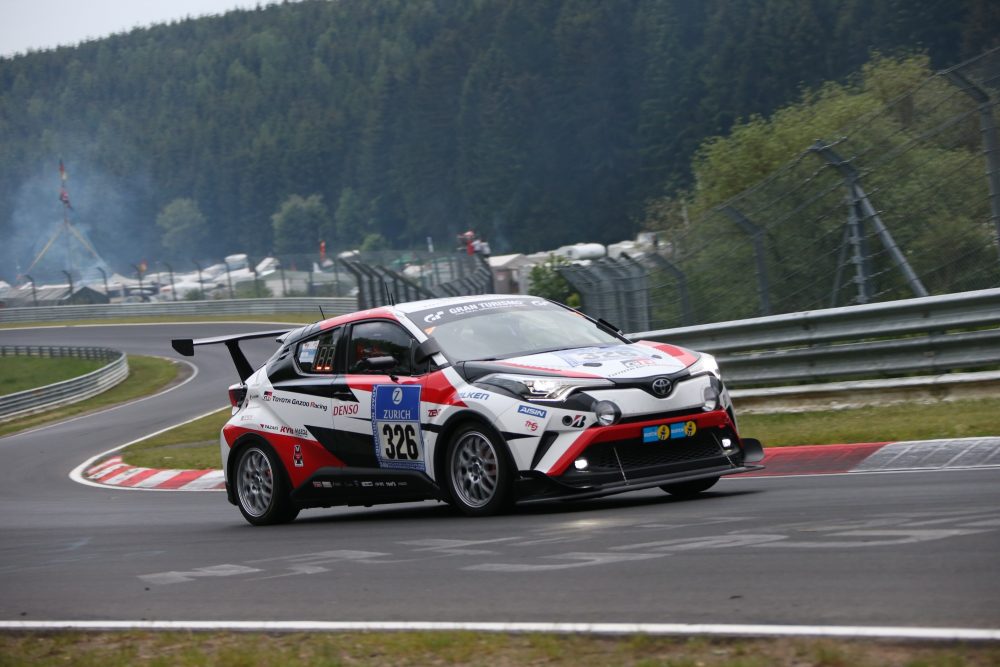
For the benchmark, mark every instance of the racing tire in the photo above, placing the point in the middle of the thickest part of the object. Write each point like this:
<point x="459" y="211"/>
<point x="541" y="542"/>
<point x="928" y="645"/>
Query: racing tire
<point x="478" y="473"/>
<point x="690" y="489"/>
<point x="262" y="489"/>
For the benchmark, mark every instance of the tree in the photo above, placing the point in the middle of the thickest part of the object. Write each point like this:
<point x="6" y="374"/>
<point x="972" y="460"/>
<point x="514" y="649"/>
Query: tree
<point x="546" y="282"/>
<point x="183" y="227"/>
<point x="297" y="224"/>
<point x="348" y="219"/>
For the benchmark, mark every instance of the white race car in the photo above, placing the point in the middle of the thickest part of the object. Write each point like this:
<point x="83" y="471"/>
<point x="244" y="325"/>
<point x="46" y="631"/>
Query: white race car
<point x="478" y="401"/>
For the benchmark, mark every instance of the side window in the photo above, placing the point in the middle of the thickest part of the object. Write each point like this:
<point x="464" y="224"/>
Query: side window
<point x="318" y="355"/>
<point x="380" y="339"/>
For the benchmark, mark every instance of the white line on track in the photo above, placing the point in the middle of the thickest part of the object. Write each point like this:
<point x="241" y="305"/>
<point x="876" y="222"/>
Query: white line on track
<point x="149" y="324"/>
<point x="725" y="630"/>
<point x="76" y="474"/>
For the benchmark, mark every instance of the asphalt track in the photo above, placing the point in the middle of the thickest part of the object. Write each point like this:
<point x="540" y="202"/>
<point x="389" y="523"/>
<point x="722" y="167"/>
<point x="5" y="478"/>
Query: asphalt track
<point x="904" y="549"/>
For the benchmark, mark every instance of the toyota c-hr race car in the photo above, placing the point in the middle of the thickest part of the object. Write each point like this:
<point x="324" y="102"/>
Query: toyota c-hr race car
<point x="478" y="401"/>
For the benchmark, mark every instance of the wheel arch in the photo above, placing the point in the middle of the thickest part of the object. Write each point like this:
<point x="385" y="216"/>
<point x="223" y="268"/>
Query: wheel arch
<point x="455" y="422"/>
<point x="236" y="450"/>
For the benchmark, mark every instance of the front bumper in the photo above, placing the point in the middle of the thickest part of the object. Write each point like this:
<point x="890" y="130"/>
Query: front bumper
<point x="536" y="487"/>
<point x="627" y="457"/>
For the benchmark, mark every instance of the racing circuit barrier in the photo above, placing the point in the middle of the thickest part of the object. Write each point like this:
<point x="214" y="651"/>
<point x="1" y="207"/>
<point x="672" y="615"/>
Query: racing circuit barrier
<point x="68" y="391"/>
<point x="331" y="306"/>
<point x="936" y="334"/>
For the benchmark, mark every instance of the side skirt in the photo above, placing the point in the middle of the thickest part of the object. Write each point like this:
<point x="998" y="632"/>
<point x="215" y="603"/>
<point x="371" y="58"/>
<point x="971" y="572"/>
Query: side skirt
<point x="328" y="487"/>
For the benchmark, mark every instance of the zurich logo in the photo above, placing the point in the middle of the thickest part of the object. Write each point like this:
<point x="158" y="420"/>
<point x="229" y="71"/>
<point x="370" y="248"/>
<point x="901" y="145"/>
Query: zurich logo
<point x="397" y="396"/>
<point x="661" y="386"/>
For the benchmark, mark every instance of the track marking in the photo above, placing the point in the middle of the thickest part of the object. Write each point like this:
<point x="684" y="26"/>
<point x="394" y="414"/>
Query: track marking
<point x="77" y="473"/>
<point x="146" y="324"/>
<point x="711" y="629"/>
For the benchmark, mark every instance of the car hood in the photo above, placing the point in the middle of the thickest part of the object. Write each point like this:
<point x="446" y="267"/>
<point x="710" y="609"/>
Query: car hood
<point x="614" y="362"/>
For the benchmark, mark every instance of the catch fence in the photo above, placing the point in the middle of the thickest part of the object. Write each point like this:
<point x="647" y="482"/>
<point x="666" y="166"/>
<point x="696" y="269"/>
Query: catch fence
<point x="904" y="202"/>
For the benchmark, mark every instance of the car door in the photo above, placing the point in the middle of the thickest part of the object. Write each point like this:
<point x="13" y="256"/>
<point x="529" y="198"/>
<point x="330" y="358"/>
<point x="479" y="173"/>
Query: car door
<point x="389" y="397"/>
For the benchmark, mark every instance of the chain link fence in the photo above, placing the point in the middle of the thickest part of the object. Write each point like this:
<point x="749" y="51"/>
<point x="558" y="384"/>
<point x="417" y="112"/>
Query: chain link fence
<point x="904" y="203"/>
<point x="364" y="276"/>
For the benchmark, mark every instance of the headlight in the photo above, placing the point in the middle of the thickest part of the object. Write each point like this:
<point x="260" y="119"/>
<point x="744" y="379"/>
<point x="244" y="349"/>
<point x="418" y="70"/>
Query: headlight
<point x="706" y="362"/>
<point x="607" y="413"/>
<point x="541" y="388"/>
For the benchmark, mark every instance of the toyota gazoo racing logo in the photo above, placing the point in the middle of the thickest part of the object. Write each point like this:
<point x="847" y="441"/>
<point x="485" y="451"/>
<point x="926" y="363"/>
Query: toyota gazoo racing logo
<point x="661" y="386"/>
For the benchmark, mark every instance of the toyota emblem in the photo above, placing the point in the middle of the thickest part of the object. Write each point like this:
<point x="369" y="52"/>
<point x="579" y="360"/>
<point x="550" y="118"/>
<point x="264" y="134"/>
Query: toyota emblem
<point x="661" y="386"/>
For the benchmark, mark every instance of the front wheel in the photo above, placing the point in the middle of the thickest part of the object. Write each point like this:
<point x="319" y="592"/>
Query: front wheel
<point x="478" y="475"/>
<point x="690" y="489"/>
<point x="261" y="489"/>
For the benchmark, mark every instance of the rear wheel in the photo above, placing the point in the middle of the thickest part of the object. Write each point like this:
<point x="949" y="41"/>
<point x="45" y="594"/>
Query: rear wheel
<point x="690" y="489"/>
<point x="261" y="489"/>
<point x="478" y="474"/>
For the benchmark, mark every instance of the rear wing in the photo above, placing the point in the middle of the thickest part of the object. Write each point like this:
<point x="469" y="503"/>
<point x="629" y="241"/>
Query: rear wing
<point x="185" y="346"/>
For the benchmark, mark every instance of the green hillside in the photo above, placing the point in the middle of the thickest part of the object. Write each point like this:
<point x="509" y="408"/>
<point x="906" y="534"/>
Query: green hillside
<point x="536" y="122"/>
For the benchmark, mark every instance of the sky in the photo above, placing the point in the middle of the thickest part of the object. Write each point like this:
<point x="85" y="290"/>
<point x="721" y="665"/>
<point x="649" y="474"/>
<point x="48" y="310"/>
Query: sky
<point x="46" y="24"/>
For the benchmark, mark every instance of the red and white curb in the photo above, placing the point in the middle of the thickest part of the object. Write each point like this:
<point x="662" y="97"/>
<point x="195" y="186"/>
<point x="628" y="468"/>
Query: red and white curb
<point x="945" y="454"/>
<point x="950" y="454"/>
<point x="115" y="472"/>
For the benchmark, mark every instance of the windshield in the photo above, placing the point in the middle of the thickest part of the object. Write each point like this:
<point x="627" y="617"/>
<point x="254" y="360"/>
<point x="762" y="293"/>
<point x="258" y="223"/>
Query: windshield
<point x="512" y="332"/>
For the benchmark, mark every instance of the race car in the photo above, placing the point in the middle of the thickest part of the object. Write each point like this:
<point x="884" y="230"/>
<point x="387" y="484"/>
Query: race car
<point x="479" y="401"/>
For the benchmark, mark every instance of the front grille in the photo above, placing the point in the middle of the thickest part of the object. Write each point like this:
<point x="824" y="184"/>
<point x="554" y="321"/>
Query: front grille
<point x="648" y="459"/>
<point x="635" y="455"/>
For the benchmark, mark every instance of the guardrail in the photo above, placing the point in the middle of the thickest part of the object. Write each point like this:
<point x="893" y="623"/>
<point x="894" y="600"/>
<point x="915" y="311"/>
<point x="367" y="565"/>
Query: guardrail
<point x="925" y="335"/>
<point x="67" y="391"/>
<point x="928" y="335"/>
<point x="331" y="306"/>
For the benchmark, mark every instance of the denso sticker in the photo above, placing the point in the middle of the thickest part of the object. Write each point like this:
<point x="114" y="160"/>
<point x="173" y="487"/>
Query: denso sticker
<point x="532" y="411"/>
<point x="345" y="409"/>
<point x="396" y="426"/>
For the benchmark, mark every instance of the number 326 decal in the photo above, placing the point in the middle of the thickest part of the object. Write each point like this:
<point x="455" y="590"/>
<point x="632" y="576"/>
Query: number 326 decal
<point x="396" y="426"/>
<point x="400" y="442"/>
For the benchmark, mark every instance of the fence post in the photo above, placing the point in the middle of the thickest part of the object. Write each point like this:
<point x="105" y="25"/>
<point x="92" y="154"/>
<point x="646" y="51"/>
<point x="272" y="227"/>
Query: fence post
<point x="687" y="314"/>
<point x="755" y="233"/>
<point x="860" y="204"/>
<point x="991" y="144"/>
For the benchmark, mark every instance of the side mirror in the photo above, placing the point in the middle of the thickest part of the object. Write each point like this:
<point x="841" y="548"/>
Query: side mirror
<point x="425" y="351"/>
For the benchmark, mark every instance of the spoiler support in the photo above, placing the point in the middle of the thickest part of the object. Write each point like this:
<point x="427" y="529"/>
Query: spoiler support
<point x="185" y="346"/>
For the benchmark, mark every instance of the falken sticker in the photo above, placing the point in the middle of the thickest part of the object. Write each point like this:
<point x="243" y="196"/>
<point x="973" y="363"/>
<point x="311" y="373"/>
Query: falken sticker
<point x="669" y="431"/>
<point x="396" y="426"/>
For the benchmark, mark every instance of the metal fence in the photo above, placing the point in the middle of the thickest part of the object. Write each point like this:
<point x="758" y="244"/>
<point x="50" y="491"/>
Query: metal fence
<point x="903" y="202"/>
<point x="362" y="276"/>
<point x="455" y="275"/>
<point x="331" y="307"/>
<point x="66" y="392"/>
<point x="934" y="334"/>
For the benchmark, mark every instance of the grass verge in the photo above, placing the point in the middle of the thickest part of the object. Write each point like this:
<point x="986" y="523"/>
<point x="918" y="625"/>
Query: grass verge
<point x="147" y="375"/>
<point x="290" y="318"/>
<point x="21" y="373"/>
<point x="906" y="421"/>
<point x="468" y="648"/>
<point x="193" y="446"/>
